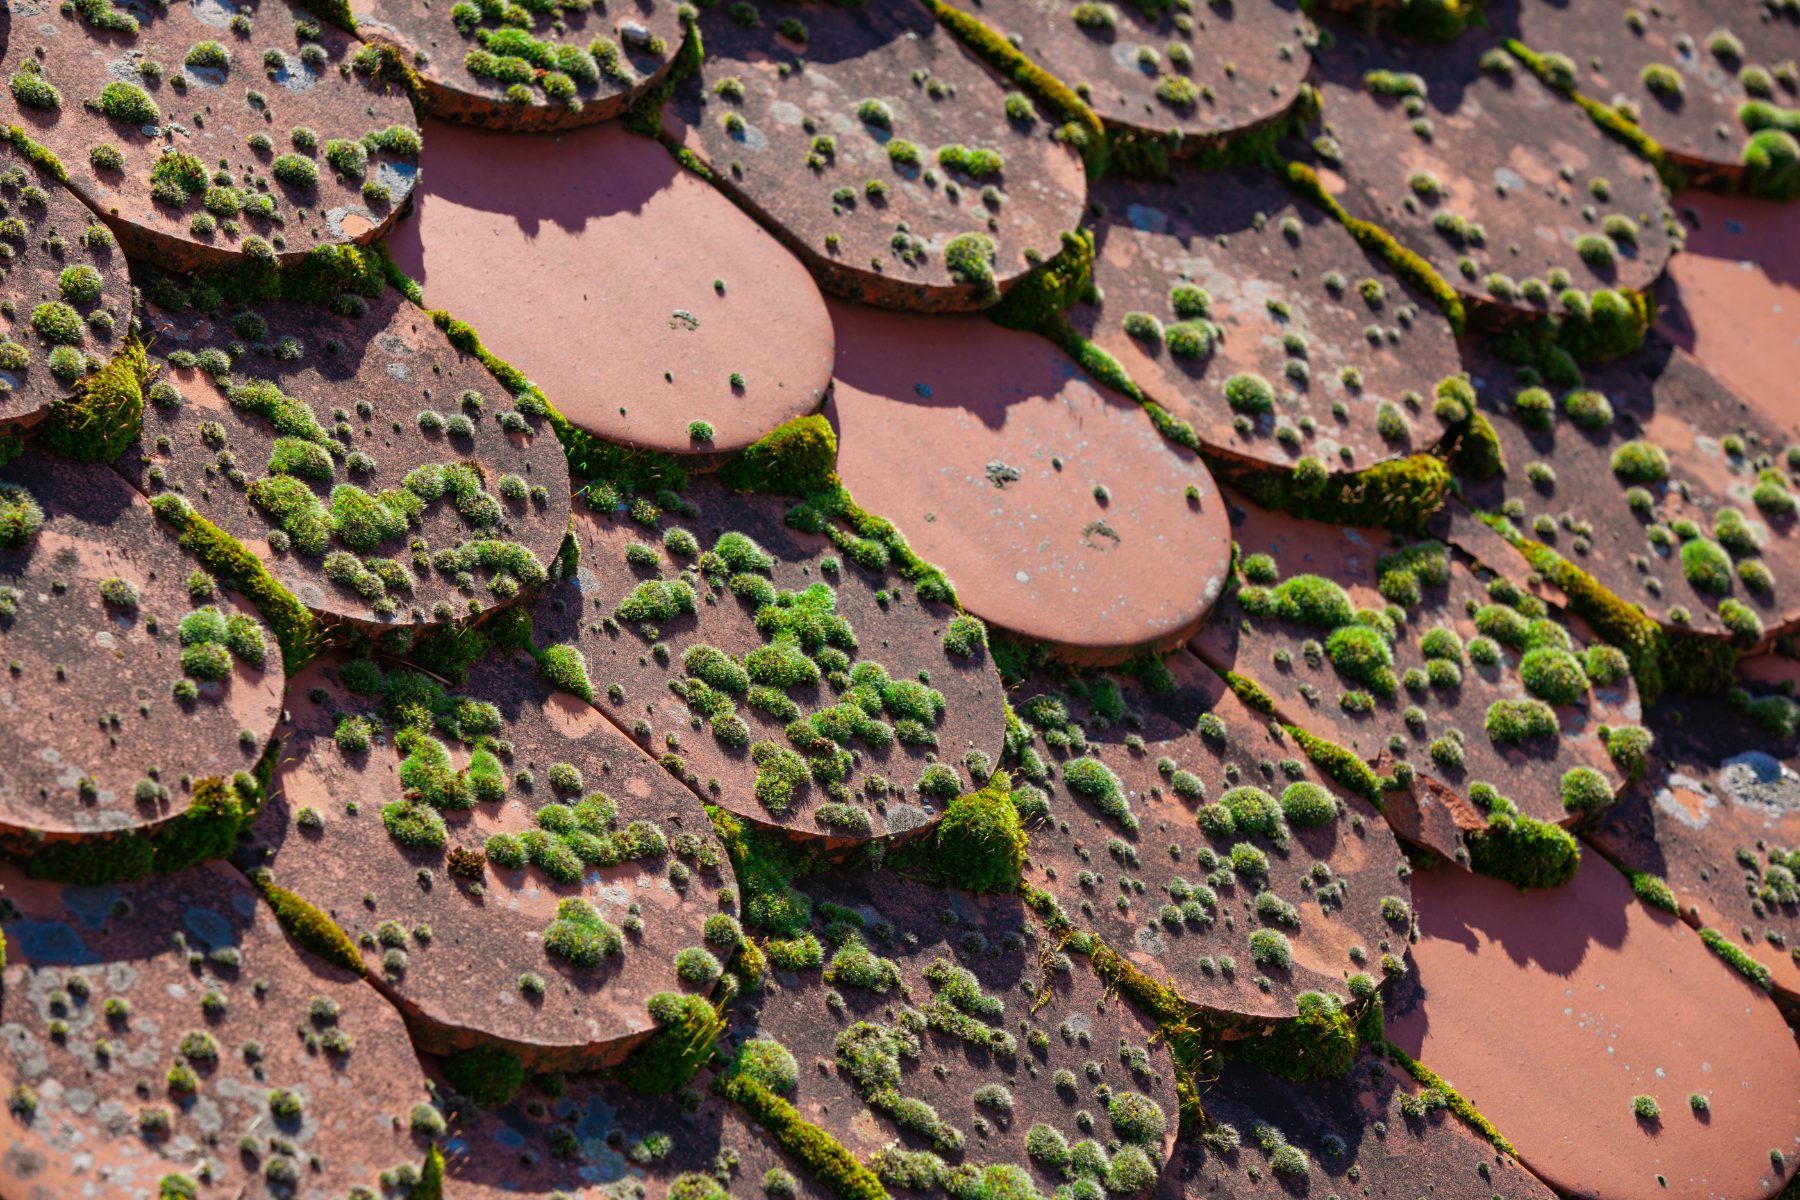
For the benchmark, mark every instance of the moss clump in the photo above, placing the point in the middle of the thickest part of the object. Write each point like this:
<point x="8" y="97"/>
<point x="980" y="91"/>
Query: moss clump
<point x="1653" y="891"/>
<point x="1363" y="656"/>
<point x="1771" y="161"/>
<point x="969" y="257"/>
<point x="797" y="459"/>
<point x="128" y="104"/>
<point x="688" y="1026"/>
<point x="1706" y="566"/>
<point x="21" y="516"/>
<point x="102" y="417"/>
<point x="765" y="866"/>
<point x="1320" y="1043"/>
<point x="1525" y="852"/>
<point x="1553" y="675"/>
<point x="978" y="845"/>
<point x="308" y="925"/>
<point x="486" y="1075"/>
<point x="1306" y="805"/>
<point x="297" y="631"/>
<point x="827" y="1159"/>
<point x="1094" y="780"/>
<point x="566" y="669"/>
<point x="1585" y="790"/>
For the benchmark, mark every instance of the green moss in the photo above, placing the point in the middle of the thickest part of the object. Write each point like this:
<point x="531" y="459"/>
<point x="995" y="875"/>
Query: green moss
<point x="1458" y="1105"/>
<point x="1738" y="957"/>
<point x="128" y="104"/>
<point x="688" y="1026"/>
<point x="488" y="1076"/>
<point x="1319" y="1043"/>
<point x="829" y="1162"/>
<point x="1339" y="764"/>
<point x="978" y="846"/>
<point x="1611" y="325"/>
<point x="1524" y="851"/>
<point x="1410" y="266"/>
<point x="308" y="925"/>
<point x="1585" y="790"/>
<point x="1706" y="566"/>
<point x="1771" y="159"/>
<point x="797" y="459"/>
<point x="101" y="418"/>
<point x="766" y="866"/>
<point x="1653" y="891"/>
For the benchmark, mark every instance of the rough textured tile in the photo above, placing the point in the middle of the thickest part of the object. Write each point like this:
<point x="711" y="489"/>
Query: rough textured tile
<point x="1620" y="1000"/>
<point x="1729" y="297"/>
<point x="89" y="703"/>
<point x="1716" y="818"/>
<point x="1570" y="474"/>
<point x="1051" y="502"/>
<point x="632" y="293"/>
<point x="1334" y="337"/>
<point x="59" y="261"/>
<point x="525" y="1147"/>
<point x="864" y="618"/>
<point x="1506" y="153"/>
<point x="1335" y="883"/>
<point x="485" y="924"/>
<point x="222" y="76"/>
<point x="767" y="94"/>
<point x="1684" y="84"/>
<point x="1353" y="1138"/>
<point x="116" y="998"/>
<point x="607" y="57"/>
<point x="1044" y="1014"/>
<point x="370" y="382"/>
<point x="1205" y="73"/>
<point x="1448" y="745"/>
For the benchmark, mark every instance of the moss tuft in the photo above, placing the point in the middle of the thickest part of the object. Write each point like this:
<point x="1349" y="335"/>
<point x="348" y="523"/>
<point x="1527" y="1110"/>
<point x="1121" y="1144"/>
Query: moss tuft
<point x="308" y="925"/>
<point x="486" y="1075"/>
<point x="687" y="1028"/>
<point x="797" y="459"/>
<point x="101" y="418"/>
<point x="978" y="846"/>
<point x="297" y="630"/>
<point x="1524" y="851"/>
<point x="1320" y="1043"/>
<point x="1461" y="1107"/>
